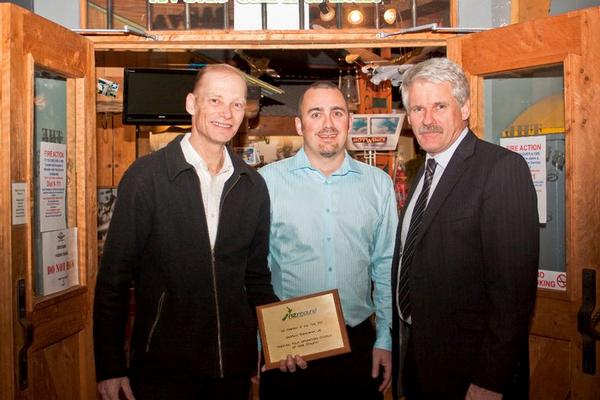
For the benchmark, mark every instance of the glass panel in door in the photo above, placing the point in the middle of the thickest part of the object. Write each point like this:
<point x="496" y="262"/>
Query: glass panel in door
<point x="524" y="111"/>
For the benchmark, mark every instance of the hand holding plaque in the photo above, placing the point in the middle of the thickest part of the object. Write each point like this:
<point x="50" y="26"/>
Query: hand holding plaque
<point x="309" y="326"/>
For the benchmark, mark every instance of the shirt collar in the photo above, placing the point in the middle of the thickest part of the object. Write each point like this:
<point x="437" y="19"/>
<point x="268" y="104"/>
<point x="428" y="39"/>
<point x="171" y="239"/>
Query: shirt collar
<point x="301" y="161"/>
<point x="443" y="158"/>
<point x="193" y="158"/>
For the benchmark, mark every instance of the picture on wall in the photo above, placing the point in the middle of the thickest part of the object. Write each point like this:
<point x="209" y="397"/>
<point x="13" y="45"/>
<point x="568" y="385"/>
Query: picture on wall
<point x="278" y="147"/>
<point x="248" y="154"/>
<point x="374" y="131"/>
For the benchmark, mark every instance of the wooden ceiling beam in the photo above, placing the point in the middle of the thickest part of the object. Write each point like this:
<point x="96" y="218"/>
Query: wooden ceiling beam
<point x="212" y="39"/>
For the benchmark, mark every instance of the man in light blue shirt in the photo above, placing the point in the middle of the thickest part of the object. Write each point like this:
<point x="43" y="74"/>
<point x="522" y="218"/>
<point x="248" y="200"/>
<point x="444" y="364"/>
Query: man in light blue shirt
<point x="333" y="223"/>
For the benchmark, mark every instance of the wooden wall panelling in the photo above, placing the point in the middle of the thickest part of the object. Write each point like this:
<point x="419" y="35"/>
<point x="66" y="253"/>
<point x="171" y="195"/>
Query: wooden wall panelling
<point x="124" y="147"/>
<point x="374" y="99"/>
<point x="143" y="142"/>
<point x="527" y="10"/>
<point x="454" y="13"/>
<point x="83" y="14"/>
<point x="116" y="148"/>
<point x="104" y="149"/>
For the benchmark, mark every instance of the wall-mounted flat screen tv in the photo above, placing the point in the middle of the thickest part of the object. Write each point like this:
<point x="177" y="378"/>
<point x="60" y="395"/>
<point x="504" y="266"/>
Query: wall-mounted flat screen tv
<point x="156" y="96"/>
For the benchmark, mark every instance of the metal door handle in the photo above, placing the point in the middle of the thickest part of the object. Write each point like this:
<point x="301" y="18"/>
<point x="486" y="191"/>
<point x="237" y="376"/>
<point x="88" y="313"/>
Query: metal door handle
<point x="587" y="321"/>
<point x="28" y="328"/>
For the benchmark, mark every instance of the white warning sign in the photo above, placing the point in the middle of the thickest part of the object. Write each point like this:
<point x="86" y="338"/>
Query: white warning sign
<point x="553" y="280"/>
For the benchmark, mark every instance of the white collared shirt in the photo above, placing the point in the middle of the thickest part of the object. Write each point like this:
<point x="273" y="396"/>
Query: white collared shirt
<point x="442" y="161"/>
<point x="211" y="186"/>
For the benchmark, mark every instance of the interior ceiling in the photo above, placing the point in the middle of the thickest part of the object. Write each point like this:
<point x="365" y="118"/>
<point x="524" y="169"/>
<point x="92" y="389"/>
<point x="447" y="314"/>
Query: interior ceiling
<point x="297" y="66"/>
<point x="293" y="70"/>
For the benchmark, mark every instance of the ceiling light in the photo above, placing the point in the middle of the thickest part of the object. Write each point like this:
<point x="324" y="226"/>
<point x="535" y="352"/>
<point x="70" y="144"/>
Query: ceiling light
<point x="390" y="15"/>
<point x="355" y="17"/>
<point x="326" y="13"/>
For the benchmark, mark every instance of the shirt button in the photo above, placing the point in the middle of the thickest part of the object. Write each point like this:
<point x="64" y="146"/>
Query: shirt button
<point x="328" y="238"/>
<point x="329" y="269"/>
<point x="327" y="209"/>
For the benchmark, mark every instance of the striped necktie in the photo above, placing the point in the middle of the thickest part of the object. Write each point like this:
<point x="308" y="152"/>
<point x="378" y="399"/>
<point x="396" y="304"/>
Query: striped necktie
<point x="403" y="291"/>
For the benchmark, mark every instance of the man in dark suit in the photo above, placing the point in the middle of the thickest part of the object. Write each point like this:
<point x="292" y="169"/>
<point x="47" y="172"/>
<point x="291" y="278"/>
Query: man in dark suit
<point x="465" y="263"/>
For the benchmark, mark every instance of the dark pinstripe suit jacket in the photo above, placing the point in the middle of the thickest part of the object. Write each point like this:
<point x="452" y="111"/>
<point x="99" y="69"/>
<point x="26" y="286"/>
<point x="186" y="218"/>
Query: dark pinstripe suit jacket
<point x="473" y="277"/>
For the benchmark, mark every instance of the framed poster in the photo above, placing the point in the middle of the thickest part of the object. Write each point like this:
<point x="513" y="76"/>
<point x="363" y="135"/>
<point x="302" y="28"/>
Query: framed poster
<point x="374" y="131"/>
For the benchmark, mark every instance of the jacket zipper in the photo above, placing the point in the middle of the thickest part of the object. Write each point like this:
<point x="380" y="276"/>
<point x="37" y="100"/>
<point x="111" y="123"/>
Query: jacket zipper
<point x="161" y="300"/>
<point x="214" y="276"/>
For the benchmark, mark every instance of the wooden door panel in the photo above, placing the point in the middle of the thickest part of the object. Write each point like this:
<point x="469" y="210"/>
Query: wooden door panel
<point x="55" y="370"/>
<point x="549" y="377"/>
<point x="59" y="318"/>
<point x="554" y="318"/>
<point x="59" y="362"/>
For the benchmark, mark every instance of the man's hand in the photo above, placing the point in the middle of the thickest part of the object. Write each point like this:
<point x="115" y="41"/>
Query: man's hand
<point x="109" y="389"/>
<point x="478" y="393"/>
<point x="382" y="358"/>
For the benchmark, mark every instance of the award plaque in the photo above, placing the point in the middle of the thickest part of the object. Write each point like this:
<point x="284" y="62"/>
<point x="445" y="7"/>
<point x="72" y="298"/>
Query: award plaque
<point x="309" y="326"/>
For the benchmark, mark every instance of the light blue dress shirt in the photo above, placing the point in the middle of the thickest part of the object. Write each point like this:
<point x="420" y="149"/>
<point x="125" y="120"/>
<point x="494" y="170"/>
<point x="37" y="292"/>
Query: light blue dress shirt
<point x="334" y="232"/>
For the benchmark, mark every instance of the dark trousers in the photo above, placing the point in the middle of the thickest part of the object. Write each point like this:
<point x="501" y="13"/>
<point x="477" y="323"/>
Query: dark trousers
<point x="517" y="390"/>
<point x="231" y="388"/>
<point x="344" y="376"/>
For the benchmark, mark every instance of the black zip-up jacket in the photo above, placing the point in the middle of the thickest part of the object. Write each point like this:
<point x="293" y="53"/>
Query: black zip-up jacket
<point x="195" y="308"/>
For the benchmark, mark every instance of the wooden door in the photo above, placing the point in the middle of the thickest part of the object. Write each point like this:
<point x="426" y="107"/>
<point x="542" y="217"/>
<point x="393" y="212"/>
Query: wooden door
<point x="47" y="209"/>
<point x="503" y="64"/>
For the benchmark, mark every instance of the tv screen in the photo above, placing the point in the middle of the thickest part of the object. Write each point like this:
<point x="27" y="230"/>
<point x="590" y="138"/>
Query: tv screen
<point x="156" y="96"/>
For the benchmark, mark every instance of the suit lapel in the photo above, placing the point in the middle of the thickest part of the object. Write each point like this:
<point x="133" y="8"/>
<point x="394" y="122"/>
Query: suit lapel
<point x="448" y="180"/>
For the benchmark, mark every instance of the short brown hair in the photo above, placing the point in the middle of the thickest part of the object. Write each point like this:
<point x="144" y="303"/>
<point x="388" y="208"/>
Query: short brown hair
<point x="319" y="85"/>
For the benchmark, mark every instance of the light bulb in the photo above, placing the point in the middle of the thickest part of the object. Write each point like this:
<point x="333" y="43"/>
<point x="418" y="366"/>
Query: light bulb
<point x="355" y="17"/>
<point x="326" y="13"/>
<point x="390" y="15"/>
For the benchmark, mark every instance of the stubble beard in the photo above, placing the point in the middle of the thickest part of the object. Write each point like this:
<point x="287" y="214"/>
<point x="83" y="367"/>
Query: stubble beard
<point x="329" y="154"/>
<point x="329" y="150"/>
